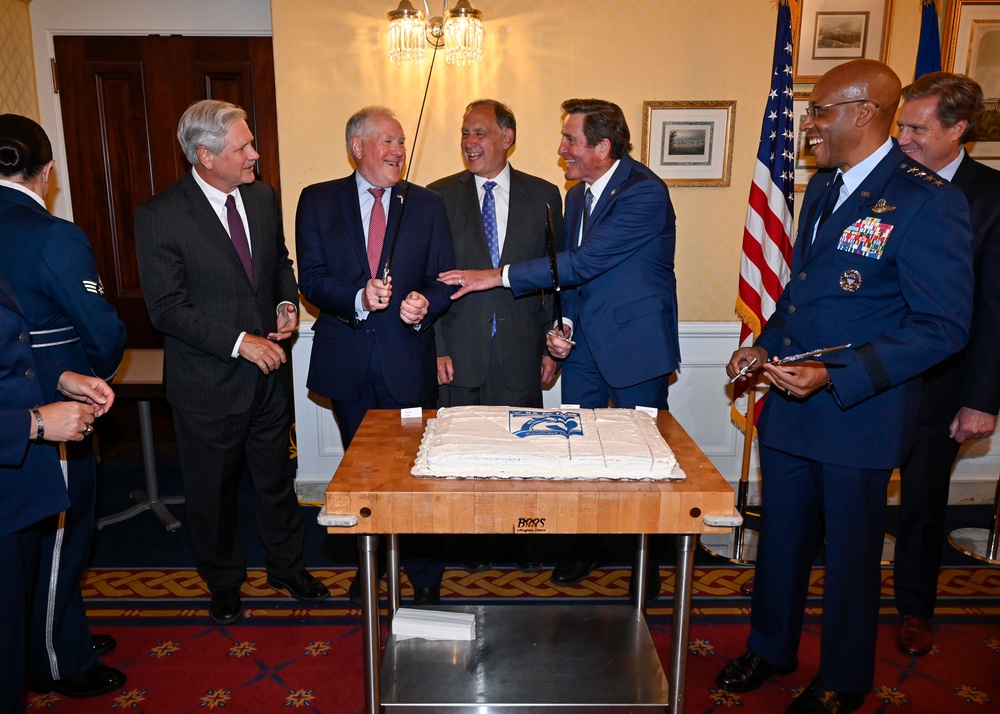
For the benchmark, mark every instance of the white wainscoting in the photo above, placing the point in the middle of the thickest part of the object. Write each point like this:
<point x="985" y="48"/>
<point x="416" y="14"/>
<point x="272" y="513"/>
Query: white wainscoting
<point x="700" y="398"/>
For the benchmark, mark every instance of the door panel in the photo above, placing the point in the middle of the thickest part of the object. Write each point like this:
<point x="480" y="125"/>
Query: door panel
<point x="121" y="99"/>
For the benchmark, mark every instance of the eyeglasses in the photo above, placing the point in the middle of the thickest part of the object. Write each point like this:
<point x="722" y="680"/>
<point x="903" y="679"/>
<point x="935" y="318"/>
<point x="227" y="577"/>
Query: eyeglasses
<point x="815" y="110"/>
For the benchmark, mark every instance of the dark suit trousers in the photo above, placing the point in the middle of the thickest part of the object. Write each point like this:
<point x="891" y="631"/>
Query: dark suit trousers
<point x="925" y="477"/>
<point x="19" y="560"/>
<point x="59" y="644"/>
<point x="492" y="391"/>
<point x="584" y="384"/>
<point x="803" y="502"/>
<point x="214" y="449"/>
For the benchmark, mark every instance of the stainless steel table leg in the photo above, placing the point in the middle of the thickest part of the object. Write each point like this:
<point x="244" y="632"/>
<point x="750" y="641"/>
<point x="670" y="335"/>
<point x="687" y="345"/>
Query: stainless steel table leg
<point x="367" y="548"/>
<point x="682" y="621"/>
<point x="639" y="573"/>
<point x="392" y="574"/>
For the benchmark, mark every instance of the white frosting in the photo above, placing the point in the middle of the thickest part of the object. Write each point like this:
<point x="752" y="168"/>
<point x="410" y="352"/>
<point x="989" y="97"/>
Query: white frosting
<point x="476" y="442"/>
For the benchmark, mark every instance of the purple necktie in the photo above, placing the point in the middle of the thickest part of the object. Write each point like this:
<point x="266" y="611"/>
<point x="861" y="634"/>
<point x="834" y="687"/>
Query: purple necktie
<point x="239" y="236"/>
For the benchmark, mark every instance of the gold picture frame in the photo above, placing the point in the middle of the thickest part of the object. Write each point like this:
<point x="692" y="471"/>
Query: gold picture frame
<point x="972" y="47"/>
<point x="689" y="143"/>
<point x="805" y="164"/>
<point x="831" y="32"/>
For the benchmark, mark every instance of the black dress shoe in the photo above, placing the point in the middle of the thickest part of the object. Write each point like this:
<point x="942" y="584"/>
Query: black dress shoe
<point x="653" y="585"/>
<point x="476" y="566"/>
<point x="816" y="700"/>
<point x="97" y="680"/>
<point x="571" y="572"/>
<point x="528" y="566"/>
<point x="226" y="606"/>
<point x="102" y="644"/>
<point x="749" y="671"/>
<point x="301" y="586"/>
<point x="426" y="596"/>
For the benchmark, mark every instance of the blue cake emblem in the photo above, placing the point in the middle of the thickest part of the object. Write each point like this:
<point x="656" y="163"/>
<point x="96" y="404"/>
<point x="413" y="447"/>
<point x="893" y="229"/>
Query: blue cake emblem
<point x="524" y="423"/>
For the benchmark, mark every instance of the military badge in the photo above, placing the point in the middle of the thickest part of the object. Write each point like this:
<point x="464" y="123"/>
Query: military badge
<point x="866" y="237"/>
<point x="881" y="206"/>
<point x="851" y="281"/>
<point x="94" y="286"/>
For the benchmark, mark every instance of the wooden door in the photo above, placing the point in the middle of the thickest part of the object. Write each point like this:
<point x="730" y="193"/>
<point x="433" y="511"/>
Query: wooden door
<point x="121" y="99"/>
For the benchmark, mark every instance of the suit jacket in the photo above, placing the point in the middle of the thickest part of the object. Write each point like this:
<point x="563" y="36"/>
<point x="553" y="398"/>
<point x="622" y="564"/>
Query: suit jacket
<point x="903" y="308"/>
<point x="50" y="264"/>
<point x="198" y="294"/>
<point x="31" y="482"/>
<point x="333" y="267"/>
<point x="626" y="296"/>
<point x="971" y="378"/>
<point x="463" y="333"/>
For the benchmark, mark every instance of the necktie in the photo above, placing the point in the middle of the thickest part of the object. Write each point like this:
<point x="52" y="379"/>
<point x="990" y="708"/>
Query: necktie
<point x="239" y="236"/>
<point x="492" y="238"/>
<point x="490" y="223"/>
<point x="588" y="201"/>
<point x="376" y="231"/>
<point x="830" y="199"/>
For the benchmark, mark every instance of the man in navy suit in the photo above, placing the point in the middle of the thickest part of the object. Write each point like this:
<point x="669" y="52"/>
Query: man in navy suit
<point x="218" y="283"/>
<point x="882" y="263"/>
<point x="623" y="310"/>
<point x="31" y="480"/>
<point x="373" y="346"/>
<point x="961" y="395"/>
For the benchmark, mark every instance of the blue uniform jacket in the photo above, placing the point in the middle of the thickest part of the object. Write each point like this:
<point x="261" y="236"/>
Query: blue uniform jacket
<point x="626" y="293"/>
<point x="50" y="263"/>
<point x="31" y="481"/>
<point x="891" y="273"/>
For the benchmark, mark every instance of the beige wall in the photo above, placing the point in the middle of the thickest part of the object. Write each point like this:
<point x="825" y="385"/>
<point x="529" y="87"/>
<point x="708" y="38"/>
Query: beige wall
<point x="330" y="59"/>
<point x="17" y="71"/>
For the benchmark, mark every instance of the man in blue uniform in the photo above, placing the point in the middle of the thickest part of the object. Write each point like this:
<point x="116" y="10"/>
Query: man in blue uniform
<point x="882" y="263"/>
<point x="51" y="266"/>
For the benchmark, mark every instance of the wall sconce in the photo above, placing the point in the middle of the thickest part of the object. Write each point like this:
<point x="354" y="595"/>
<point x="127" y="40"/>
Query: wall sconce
<point x="460" y="32"/>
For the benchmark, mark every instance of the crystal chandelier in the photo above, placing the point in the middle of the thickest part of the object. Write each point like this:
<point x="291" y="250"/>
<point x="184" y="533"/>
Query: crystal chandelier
<point x="460" y="33"/>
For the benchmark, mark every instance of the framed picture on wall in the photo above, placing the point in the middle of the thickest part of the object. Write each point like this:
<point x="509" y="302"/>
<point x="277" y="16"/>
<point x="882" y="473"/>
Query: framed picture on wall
<point x="829" y="32"/>
<point x="689" y="143"/>
<point x="805" y="164"/>
<point x="972" y="47"/>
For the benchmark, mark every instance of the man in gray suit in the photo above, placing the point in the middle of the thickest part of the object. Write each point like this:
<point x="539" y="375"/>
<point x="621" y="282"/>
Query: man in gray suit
<point x="491" y="345"/>
<point x="218" y="283"/>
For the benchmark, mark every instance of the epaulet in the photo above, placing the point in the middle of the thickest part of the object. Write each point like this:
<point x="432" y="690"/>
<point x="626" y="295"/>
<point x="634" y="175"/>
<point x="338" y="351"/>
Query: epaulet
<point x="920" y="174"/>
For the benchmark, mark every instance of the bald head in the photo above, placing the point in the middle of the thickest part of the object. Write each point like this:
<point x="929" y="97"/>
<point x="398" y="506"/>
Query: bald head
<point x="854" y="107"/>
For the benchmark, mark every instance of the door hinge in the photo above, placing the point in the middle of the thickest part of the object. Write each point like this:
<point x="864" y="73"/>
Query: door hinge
<point x="55" y="75"/>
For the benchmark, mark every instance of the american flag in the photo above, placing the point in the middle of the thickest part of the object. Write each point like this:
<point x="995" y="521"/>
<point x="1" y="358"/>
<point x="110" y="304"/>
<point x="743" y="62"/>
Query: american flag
<point x="767" y="236"/>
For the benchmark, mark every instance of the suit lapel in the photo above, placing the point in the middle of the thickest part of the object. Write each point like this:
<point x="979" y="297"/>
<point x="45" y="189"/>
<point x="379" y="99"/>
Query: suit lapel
<point x="350" y="207"/>
<point x="598" y="210"/>
<point x="470" y="198"/>
<point x="255" y="222"/>
<point x="7" y="297"/>
<point x="210" y="224"/>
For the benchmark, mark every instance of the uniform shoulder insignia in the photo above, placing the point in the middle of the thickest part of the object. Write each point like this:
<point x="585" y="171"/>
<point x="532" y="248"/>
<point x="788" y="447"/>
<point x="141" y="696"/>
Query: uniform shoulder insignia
<point x="921" y="174"/>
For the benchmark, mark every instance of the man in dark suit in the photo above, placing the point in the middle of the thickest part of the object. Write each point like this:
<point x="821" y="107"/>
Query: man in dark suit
<point x="620" y="235"/>
<point x="882" y="264"/>
<point x="491" y="345"/>
<point x="374" y="342"/>
<point x="961" y="395"/>
<point x="51" y="268"/>
<point x="32" y="488"/>
<point x="226" y="303"/>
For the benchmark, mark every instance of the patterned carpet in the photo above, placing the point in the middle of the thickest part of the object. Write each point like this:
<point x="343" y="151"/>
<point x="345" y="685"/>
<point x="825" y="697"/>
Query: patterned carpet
<point x="284" y="655"/>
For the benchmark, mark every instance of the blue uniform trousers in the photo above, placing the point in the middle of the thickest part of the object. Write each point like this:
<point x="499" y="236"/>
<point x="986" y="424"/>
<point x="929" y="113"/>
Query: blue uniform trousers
<point x="803" y="502"/>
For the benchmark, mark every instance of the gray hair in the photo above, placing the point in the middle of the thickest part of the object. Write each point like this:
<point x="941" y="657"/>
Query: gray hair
<point x="360" y="123"/>
<point x="206" y="123"/>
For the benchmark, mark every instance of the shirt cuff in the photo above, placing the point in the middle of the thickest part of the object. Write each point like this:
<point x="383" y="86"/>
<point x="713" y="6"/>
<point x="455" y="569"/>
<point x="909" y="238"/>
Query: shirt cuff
<point x="239" y="341"/>
<point x="359" y="312"/>
<point x="503" y="274"/>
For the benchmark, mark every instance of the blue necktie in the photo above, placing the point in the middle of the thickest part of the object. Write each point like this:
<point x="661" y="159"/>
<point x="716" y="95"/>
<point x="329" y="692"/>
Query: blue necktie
<point x="492" y="237"/>
<point x="588" y="202"/>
